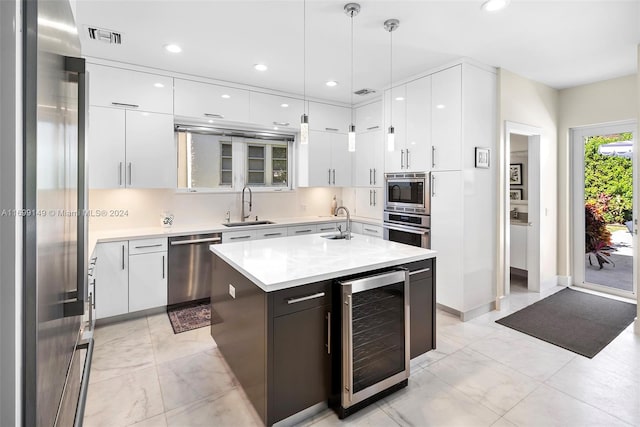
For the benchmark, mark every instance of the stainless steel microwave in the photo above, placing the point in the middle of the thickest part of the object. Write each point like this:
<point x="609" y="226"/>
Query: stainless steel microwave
<point x="407" y="192"/>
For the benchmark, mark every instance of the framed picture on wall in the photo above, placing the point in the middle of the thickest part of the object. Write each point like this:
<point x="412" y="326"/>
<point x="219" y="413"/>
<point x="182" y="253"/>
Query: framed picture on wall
<point x="515" y="174"/>
<point x="482" y="158"/>
<point x="515" y="194"/>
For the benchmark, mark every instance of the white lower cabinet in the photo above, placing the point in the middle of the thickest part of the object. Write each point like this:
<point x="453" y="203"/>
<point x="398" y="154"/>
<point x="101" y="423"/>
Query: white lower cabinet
<point x="111" y="288"/>
<point x="147" y="281"/>
<point x="271" y="233"/>
<point x="238" y="236"/>
<point x="372" y="230"/>
<point x="447" y="227"/>
<point x="518" y="247"/>
<point x="299" y="230"/>
<point x="130" y="276"/>
<point x="327" y="227"/>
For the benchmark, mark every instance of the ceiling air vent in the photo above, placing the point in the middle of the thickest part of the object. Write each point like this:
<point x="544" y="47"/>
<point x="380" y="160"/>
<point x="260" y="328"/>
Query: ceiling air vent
<point x="106" y="36"/>
<point x="363" y="92"/>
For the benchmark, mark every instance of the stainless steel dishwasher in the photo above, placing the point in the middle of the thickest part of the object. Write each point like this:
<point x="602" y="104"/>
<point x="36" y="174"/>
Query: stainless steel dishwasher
<point x="190" y="267"/>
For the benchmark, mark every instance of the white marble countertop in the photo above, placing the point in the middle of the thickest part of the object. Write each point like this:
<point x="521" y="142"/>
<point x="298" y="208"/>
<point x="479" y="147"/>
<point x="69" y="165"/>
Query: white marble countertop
<point x="151" y="232"/>
<point x="286" y="262"/>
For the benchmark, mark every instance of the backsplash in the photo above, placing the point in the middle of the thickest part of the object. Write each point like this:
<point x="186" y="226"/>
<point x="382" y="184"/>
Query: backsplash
<point x="129" y="208"/>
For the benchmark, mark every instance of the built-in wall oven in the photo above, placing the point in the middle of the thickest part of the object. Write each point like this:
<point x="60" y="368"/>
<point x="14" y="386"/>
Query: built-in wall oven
<point x="407" y="209"/>
<point x="374" y="338"/>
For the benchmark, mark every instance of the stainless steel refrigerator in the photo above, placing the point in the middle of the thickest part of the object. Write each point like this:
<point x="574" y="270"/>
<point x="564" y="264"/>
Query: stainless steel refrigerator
<point x="55" y="355"/>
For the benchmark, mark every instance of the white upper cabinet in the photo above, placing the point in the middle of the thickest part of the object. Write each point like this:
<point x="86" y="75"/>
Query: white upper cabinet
<point x="329" y="117"/>
<point x="369" y="203"/>
<point x="325" y="161"/>
<point x="418" y="142"/>
<point x="446" y="114"/>
<point x="130" y="149"/>
<point x="395" y="113"/>
<point x="211" y="102"/>
<point x="275" y="111"/>
<point x="369" y="159"/>
<point x="369" y="117"/>
<point x="116" y="87"/>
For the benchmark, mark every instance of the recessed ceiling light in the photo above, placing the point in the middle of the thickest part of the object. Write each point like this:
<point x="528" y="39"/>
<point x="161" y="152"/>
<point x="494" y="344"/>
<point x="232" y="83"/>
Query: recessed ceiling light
<point x="400" y="98"/>
<point x="225" y="96"/>
<point x="173" y="48"/>
<point x="494" y="5"/>
<point x="210" y="121"/>
<point x="440" y="106"/>
<point x="275" y="128"/>
<point x="158" y="85"/>
<point x="284" y="105"/>
<point x="332" y="83"/>
<point x="260" y="67"/>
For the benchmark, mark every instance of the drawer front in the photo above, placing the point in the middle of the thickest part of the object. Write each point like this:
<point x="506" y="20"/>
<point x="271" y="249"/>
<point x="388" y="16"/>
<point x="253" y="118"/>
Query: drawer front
<point x="145" y="246"/>
<point x="238" y="236"/>
<point x="420" y="269"/>
<point x="271" y="233"/>
<point x="302" y="229"/>
<point x="327" y="227"/>
<point x="372" y="230"/>
<point x="301" y="298"/>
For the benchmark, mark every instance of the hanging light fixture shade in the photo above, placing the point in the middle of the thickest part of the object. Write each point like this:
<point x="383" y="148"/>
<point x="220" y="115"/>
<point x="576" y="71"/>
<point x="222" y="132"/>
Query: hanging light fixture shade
<point x="391" y="25"/>
<point x="304" y="119"/>
<point x="352" y="9"/>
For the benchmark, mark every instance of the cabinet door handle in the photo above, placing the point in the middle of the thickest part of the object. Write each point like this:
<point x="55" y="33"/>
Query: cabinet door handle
<point x="375" y="195"/>
<point x="122" y="104"/>
<point x="329" y="176"/>
<point x="332" y="129"/>
<point x="408" y="158"/>
<point x="328" y="332"/>
<point x="123" y="257"/>
<point x="215" y="116"/>
<point x="424" y="270"/>
<point x="163" y="266"/>
<point x="334" y="177"/>
<point x="327" y="229"/>
<point x="370" y="173"/>
<point x="401" y="159"/>
<point x="239" y="237"/>
<point x="149" y="246"/>
<point x="272" y="234"/>
<point x="374" y="176"/>
<point x="433" y="156"/>
<point x="306" y="298"/>
<point x="120" y="173"/>
<point x="281" y="123"/>
<point x="370" y="195"/>
<point x="303" y="231"/>
<point x="371" y="230"/>
<point x="129" y="173"/>
<point x="373" y="127"/>
<point x="433" y="186"/>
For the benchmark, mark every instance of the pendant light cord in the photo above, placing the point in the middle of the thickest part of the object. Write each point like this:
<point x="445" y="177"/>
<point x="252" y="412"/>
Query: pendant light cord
<point x="391" y="77"/>
<point x="304" y="55"/>
<point x="352" y="68"/>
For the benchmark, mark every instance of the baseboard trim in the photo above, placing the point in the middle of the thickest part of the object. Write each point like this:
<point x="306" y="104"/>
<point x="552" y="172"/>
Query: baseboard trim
<point x="565" y="280"/>
<point x="471" y="314"/>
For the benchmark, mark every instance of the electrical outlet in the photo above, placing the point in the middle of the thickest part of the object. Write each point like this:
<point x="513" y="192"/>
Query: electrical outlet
<point x="232" y="291"/>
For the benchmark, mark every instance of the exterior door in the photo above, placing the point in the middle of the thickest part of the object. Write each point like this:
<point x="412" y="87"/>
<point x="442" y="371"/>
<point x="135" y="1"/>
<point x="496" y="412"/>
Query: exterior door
<point x="605" y="208"/>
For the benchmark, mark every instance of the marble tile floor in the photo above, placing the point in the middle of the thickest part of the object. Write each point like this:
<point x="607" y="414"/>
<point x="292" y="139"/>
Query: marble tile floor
<point x="482" y="374"/>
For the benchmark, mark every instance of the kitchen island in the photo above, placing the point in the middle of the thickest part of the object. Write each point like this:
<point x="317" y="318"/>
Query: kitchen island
<point x="275" y="301"/>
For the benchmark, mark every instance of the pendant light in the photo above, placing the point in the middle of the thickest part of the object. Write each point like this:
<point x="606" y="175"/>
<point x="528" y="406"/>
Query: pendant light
<point x="391" y="25"/>
<point x="352" y="9"/>
<point x="304" y="120"/>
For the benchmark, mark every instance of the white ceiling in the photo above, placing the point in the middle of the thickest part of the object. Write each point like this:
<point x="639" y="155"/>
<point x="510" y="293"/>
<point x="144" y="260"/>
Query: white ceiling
<point x="559" y="43"/>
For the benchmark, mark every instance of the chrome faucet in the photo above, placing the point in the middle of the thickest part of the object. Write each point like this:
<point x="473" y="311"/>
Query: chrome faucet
<point x="242" y="215"/>
<point x="348" y="237"/>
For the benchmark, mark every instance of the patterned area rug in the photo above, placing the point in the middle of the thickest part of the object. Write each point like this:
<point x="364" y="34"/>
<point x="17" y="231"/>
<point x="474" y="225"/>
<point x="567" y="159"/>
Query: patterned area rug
<point x="193" y="316"/>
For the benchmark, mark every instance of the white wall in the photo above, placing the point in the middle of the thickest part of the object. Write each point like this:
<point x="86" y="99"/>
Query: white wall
<point x="145" y="206"/>
<point x="601" y="102"/>
<point x="638" y="116"/>
<point x="10" y="226"/>
<point x="534" y="104"/>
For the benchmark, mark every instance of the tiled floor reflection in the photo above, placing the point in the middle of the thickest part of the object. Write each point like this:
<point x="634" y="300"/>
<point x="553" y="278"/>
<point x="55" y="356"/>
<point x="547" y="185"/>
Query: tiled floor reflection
<point x="482" y="374"/>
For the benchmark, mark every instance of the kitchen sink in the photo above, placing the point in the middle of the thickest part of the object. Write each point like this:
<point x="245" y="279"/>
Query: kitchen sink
<point x="336" y="236"/>
<point x="246" y="223"/>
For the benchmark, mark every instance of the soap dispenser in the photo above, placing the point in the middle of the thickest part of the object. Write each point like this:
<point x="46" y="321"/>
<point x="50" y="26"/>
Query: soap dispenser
<point x="334" y="206"/>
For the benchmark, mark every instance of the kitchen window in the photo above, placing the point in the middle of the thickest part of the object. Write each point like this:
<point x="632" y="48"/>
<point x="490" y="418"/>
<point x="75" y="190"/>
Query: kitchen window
<point x="211" y="160"/>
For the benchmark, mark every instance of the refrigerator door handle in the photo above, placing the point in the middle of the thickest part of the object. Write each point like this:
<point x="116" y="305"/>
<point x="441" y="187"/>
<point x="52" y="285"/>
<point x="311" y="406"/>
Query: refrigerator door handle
<point x="75" y="307"/>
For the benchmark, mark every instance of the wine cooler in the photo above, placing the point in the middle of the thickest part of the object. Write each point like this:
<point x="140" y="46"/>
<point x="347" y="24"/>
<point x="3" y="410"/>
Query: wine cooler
<point x="375" y="339"/>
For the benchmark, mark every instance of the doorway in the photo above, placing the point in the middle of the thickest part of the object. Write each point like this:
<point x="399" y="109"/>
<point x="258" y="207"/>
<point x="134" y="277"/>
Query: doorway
<point x="604" y="208"/>
<point x="521" y="197"/>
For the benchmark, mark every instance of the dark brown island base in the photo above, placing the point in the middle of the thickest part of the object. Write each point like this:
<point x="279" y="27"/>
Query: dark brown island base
<point x="285" y="346"/>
